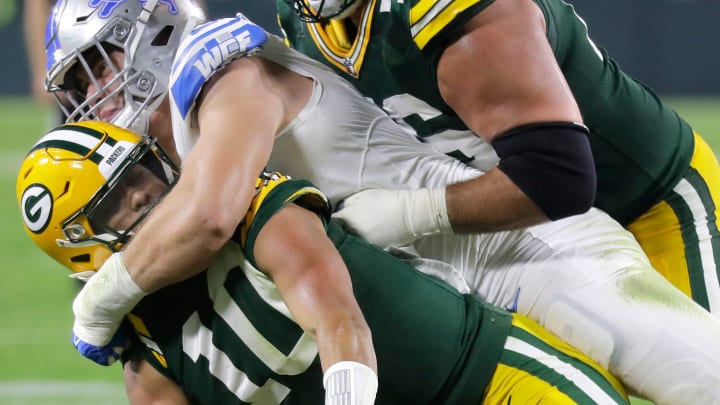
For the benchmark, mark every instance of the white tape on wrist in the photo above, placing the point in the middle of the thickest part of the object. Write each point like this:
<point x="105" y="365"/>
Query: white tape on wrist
<point x="104" y="301"/>
<point x="426" y="212"/>
<point x="350" y="383"/>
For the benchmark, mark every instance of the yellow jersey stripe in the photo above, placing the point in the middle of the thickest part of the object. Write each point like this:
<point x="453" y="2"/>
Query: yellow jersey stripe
<point x="429" y="17"/>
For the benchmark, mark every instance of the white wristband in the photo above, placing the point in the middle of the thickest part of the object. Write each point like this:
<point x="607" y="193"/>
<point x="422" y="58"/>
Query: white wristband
<point x="104" y="301"/>
<point x="350" y="383"/>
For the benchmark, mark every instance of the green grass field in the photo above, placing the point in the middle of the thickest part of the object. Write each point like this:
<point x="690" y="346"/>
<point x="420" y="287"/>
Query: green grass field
<point x="39" y="365"/>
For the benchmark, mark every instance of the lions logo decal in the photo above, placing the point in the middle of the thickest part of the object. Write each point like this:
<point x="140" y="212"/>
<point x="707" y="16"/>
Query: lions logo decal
<point x="36" y="206"/>
<point x="106" y="7"/>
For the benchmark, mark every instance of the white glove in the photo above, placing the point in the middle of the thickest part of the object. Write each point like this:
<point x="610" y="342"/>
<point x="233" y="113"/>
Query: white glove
<point x="395" y="217"/>
<point x="350" y="383"/>
<point x="104" y="301"/>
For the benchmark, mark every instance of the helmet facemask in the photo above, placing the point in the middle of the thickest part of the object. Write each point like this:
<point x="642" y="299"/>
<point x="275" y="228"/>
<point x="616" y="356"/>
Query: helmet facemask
<point x="147" y="32"/>
<point x="84" y="188"/>
<point x="314" y="11"/>
<point x="141" y="92"/>
<point x="105" y="202"/>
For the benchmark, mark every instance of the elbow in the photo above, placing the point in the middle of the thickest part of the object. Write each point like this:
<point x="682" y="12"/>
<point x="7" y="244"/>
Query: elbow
<point x="561" y="190"/>
<point x="552" y="164"/>
<point x="576" y="196"/>
<point x="211" y="226"/>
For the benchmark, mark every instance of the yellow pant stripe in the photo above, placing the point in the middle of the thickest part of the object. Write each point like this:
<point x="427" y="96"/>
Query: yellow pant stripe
<point x="680" y="234"/>
<point x="524" y="323"/>
<point x="543" y="367"/>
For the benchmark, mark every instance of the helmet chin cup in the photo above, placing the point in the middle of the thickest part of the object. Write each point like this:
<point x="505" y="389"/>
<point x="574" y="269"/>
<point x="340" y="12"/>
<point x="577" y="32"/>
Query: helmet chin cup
<point x="137" y="121"/>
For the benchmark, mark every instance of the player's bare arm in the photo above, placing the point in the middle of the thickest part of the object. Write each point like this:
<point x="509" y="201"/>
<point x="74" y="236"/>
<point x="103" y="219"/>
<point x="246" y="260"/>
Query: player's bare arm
<point x="311" y="276"/>
<point x="499" y="76"/>
<point x="315" y="284"/>
<point x="213" y="194"/>
<point x="501" y="72"/>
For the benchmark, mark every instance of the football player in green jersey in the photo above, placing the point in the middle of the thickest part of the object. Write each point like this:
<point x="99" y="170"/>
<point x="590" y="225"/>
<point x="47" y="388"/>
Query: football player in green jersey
<point x="570" y="128"/>
<point x="239" y="100"/>
<point x="284" y="307"/>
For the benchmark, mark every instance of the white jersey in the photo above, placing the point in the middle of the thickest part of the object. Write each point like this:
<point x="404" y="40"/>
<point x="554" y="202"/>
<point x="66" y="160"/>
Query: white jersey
<point x="584" y="278"/>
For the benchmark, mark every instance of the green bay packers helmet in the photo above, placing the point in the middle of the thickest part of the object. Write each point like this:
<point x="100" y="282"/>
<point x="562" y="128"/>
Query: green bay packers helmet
<point x="65" y="181"/>
<point x="81" y="32"/>
<point x="322" y="10"/>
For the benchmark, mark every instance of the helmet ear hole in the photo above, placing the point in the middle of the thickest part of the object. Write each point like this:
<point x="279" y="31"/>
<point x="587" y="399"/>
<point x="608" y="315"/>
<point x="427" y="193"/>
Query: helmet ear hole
<point x="163" y="37"/>
<point x="84" y="258"/>
<point x="65" y="190"/>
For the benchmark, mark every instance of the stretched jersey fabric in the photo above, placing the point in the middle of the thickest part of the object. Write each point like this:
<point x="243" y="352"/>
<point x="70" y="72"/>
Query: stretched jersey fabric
<point x="642" y="149"/>
<point x="575" y="276"/>
<point x="226" y="336"/>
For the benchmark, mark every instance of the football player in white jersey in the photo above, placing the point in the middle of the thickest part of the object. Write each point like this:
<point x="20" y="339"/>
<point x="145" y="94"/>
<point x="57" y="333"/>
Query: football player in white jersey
<point x="237" y="98"/>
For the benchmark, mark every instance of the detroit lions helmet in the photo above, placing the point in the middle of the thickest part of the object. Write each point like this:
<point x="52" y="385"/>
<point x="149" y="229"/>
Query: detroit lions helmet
<point x="65" y="185"/>
<point x="322" y="10"/>
<point x="81" y="33"/>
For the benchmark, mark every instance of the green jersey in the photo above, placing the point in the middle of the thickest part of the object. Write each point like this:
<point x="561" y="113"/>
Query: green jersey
<point x="640" y="145"/>
<point x="226" y="336"/>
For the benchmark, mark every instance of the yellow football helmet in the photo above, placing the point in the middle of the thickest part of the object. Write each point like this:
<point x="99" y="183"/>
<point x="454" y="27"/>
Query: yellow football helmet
<point x="65" y="179"/>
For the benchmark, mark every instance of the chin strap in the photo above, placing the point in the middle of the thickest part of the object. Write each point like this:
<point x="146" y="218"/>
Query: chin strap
<point x="83" y="276"/>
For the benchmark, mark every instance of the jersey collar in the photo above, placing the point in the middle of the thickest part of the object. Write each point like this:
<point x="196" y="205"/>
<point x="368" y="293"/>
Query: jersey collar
<point x="332" y="40"/>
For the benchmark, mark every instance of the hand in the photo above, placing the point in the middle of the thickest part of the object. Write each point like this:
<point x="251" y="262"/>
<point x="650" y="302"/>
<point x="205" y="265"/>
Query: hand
<point x="395" y="217"/>
<point x="103" y="302"/>
<point x="103" y="355"/>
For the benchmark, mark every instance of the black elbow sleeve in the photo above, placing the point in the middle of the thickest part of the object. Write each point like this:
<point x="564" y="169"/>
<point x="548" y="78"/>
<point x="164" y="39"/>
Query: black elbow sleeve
<point x="551" y="162"/>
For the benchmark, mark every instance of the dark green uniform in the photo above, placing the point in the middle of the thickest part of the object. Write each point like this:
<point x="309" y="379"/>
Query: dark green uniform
<point x="633" y="135"/>
<point x="226" y="337"/>
<point x="645" y="154"/>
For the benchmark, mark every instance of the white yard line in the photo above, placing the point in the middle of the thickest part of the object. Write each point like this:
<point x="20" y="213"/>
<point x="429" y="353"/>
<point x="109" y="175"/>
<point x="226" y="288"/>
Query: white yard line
<point x="61" y="392"/>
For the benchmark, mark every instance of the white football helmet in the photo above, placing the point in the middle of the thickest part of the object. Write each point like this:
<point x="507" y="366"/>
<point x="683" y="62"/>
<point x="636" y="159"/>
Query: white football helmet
<point x="323" y="10"/>
<point x="147" y="31"/>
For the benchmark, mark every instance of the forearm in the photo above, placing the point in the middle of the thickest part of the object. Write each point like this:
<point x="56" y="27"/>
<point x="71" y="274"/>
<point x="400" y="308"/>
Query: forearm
<point x="349" y="363"/>
<point x="315" y="284"/>
<point x="346" y="340"/>
<point x="178" y="240"/>
<point x="36" y="13"/>
<point x="489" y="203"/>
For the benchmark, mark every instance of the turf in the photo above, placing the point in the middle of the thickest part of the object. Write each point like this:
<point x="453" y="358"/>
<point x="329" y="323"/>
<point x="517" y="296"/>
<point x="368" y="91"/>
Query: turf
<point x="39" y="365"/>
<point x="36" y="294"/>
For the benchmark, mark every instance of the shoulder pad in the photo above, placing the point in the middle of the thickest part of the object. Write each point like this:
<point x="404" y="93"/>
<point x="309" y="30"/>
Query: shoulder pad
<point x="205" y="50"/>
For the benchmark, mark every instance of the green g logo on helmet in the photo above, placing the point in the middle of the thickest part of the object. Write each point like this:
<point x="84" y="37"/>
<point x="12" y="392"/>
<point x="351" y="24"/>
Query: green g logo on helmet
<point x="36" y="206"/>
